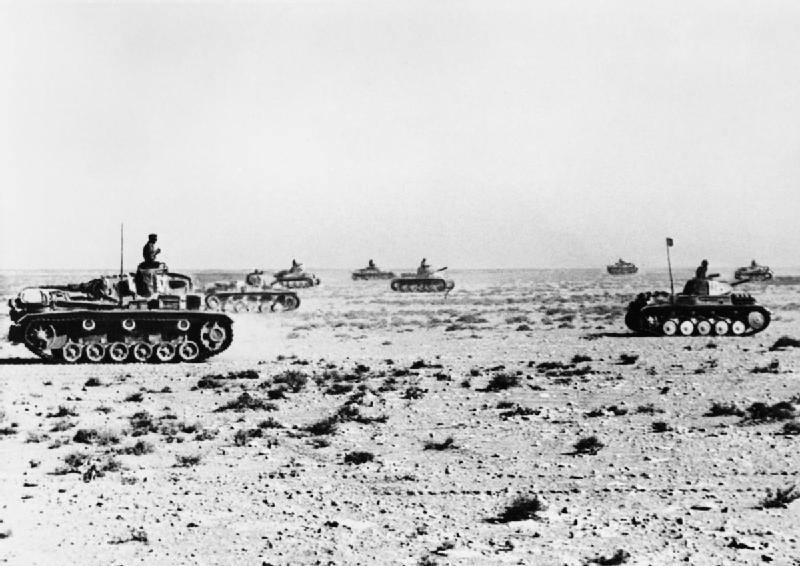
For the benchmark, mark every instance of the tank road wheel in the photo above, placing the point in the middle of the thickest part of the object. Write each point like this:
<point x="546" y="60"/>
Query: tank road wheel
<point x="756" y="320"/>
<point x="141" y="352"/>
<point x="129" y="324"/>
<point x="213" y="303"/>
<point x="239" y="306"/>
<point x="290" y="302"/>
<point x="184" y="325"/>
<point x="669" y="327"/>
<point x="40" y="336"/>
<point x="88" y="324"/>
<point x="686" y="327"/>
<point x="165" y="352"/>
<point x="738" y="327"/>
<point x="188" y="351"/>
<point x="703" y="327"/>
<point x="394" y="286"/>
<point x="213" y="336"/>
<point x="118" y="352"/>
<point x="94" y="352"/>
<point x="721" y="327"/>
<point x="71" y="352"/>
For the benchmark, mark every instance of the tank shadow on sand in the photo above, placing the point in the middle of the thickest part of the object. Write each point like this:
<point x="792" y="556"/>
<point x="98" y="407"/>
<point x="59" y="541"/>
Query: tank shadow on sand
<point x="21" y="361"/>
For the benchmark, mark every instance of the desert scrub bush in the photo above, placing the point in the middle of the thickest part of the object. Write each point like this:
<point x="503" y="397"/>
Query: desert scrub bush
<point x="141" y="423"/>
<point x="619" y="557"/>
<point x="134" y="398"/>
<point x="269" y="423"/>
<point x="208" y="383"/>
<point x="761" y="412"/>
<point x="724" y="410"/>
<point x="85" y="436"/>
<point x="243" y="436"/>
<point x="502" y="381"/>
<point x="648" y="409"/>
<point x="293" y="379"/>
<point x="187" y="461"/>
<point x="93" y="382"/>
<point x="414" y="392"/>
<point x="358" y="457"/>
<point x="773" y="367"/>
<point x="62" y="412"/>
<point x="326" y="426"/>
<point x="446" y="444"/>
<point x="518" y="411"/>
<point x="138" y="449"/>
<point x="628" y="359"/>
<point x="339" y="389"/>
<point x="791" y="428"/>
<point x="246" y="402"/>
<point x="780" y="498"/>
<point x="471" y="319"/>
<point x="588" y="445"/>
<point x="580" y="358"/>
<point x="660" y="426"/>
<point x="62" y="425"/>
<point x="784" y="342"/>
<point x="523" y="508"/>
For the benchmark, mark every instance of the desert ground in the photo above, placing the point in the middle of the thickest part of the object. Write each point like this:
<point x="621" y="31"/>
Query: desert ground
<point x="370" y="427"/>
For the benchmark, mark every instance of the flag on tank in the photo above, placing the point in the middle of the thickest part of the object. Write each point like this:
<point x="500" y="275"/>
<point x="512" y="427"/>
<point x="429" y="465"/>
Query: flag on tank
<point x="669" y="242"/>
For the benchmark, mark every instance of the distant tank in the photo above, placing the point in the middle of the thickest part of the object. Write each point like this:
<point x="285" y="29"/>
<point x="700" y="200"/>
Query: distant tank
<point x="622" y="267"/>
<point x="704" y="307"/>
<point x="754" y="272"/>
<point x="253" y="294"/>
<point x="295" y="280"/>
<point x="422" y="283"/>
<point x="149" y="316"/>
<point x="371" y="272"/>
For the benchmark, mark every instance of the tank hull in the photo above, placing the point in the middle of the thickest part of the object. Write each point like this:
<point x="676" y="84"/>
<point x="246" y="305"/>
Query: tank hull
<point x="422" y="285"/>
<point x="629" y="269"/>
<point x="372" y="275"/>
<point x="727" y="315"/>
<point x="760" y="273"/>
<point x="123" y="335"/>
<point x="298" y="281"/>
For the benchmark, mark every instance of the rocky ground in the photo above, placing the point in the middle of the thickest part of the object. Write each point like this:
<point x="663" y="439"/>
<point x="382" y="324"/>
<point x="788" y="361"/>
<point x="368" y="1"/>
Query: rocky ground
<point x="509" y="424"/>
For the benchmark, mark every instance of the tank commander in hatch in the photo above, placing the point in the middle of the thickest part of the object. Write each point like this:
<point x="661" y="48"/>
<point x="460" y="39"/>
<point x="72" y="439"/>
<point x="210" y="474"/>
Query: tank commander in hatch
<point x="371" y="265"/>
<point x="702" y="271"/>
<point x="150" y="251"/>
<point x="424" y="269"/>
<point x="296" y="267"/>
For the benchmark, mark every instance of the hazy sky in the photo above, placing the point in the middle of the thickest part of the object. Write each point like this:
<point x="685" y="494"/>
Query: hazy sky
<point x="476" y="134"/>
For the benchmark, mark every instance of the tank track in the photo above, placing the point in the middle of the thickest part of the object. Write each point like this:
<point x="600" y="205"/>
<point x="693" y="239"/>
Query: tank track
<point x="253" y="301"/>
<point x="124" y="337"/>
<point x="357" y="276"/>
<point x="721" y="320"/>
<point x="422" y="285"/>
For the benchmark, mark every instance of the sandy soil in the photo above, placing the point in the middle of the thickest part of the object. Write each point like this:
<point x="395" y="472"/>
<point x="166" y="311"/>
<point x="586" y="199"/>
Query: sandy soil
<point x="395" y="377"/>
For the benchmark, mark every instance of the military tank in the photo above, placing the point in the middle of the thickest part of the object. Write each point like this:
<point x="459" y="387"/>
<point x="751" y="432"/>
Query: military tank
<point x="622" y="267"/>
<point x="251" y="295"/>
<point x="295" y="279"/>
<point x="150" y="316"/>
<point x="371" y="273"/>
<point x="422" y="283"/>
<point x="705" y="307"/>
<point x="754" y="272"/>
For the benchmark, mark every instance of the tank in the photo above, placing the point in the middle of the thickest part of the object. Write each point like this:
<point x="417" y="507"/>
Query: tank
<point x="422" y="283"/>
<point x="705" y="307"/>
<point x="753" y="272"/>
<point x="251" y="295"/>
<point x="150" y="316"/>
<point x="295" y="279"/>
<point x="622" y="267"/>
<point x="371" y="273"/>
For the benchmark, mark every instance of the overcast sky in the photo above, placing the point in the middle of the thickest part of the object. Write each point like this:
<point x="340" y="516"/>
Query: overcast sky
<point x="476" y="134"/>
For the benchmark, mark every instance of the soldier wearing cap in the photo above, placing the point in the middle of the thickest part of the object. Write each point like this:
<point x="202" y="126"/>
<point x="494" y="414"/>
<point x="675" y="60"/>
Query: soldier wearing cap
<point x="150" y="251"/>
<point x="702" y="271"/>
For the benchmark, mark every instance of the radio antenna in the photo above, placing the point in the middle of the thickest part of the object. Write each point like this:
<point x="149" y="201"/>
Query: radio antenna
<point x="121" y="258"/>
